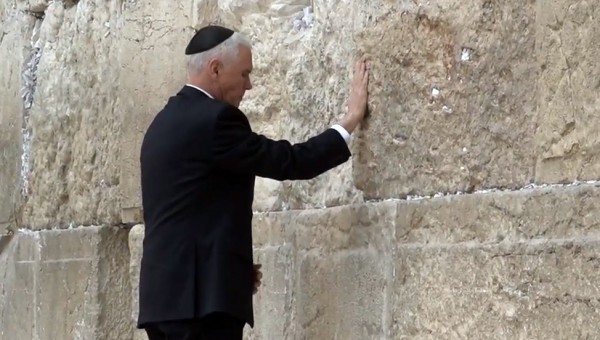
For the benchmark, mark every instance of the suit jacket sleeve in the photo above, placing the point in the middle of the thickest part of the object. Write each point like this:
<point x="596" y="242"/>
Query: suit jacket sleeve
<point x="236" y="148"/>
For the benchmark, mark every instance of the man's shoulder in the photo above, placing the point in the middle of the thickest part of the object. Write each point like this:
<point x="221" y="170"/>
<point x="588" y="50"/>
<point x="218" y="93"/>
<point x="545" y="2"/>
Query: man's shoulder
<point x="230" y="114"/>
<point x="184" y="107"/>
<point x="203" y="113"/>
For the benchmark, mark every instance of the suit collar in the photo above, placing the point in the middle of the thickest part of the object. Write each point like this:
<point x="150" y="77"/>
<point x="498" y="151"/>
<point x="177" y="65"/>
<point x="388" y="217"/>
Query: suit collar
<point x="201" y="90"/>
<point x="194" y="91"/>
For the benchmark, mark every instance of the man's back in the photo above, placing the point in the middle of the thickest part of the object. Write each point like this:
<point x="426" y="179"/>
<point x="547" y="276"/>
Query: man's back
<point x="191" y="209"/>
<point x="181" y="186"/>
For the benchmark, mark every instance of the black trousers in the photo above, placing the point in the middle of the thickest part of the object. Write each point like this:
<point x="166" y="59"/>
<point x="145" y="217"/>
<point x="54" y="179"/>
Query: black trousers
<point x="216" y="326"/>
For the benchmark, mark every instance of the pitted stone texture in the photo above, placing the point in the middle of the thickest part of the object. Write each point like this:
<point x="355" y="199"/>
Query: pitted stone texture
<point x="537" y="290"/>
<point x="569" y="105"/>
<point x="151" y="43"/>
<point x="17" y="286"/>
<point x="74" y="151"/>
<point x="349" y="227"/>
<point x="567" y="212"/>
<point x="273" y="297"/>
<point x="303" y="61"/>
<point x="135" y="241"/>
<point x="452" y="94"/>
<point x="512" y="264"/>
<point x="65" y="284"/>
<point x="469" y="66"/>
<point x="438" y="262"/>
<point x="300" y="78"/>
<point x="13" y="27"/>
<point x="340" y="296"/>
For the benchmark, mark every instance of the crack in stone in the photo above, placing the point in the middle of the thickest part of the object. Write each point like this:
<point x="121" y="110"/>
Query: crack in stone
<point x="526" y="247"/>
<point x="29" y="78"/>
<point x="567" y="299"/>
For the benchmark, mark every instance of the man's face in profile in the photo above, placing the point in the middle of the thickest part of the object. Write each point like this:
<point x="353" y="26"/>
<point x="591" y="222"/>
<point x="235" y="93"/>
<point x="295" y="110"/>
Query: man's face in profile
<point x="234" y="77"/>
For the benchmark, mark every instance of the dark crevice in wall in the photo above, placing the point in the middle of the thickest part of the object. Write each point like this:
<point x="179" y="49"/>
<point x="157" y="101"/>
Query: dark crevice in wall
<point x="29" y="83"/>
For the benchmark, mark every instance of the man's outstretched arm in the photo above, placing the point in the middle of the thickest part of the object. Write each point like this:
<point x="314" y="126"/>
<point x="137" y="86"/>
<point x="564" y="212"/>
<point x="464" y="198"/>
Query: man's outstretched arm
<point x="236" y="148"/>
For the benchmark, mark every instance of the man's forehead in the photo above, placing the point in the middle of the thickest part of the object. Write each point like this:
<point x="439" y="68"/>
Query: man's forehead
<point x="246" y="57"/>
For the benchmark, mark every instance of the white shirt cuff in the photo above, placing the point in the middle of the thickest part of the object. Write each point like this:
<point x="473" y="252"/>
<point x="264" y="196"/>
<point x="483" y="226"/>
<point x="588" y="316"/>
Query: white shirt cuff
<point x="342" y="132"/>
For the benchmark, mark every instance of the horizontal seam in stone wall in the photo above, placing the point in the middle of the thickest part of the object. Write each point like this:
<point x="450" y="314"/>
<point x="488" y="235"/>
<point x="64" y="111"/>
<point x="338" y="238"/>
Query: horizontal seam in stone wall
<point x="84" y="259"/>
<point x="534" y="243"/>
<point x="527" y="188"/>
<point x="530" y="188"/>
<point x="27" y="231"/>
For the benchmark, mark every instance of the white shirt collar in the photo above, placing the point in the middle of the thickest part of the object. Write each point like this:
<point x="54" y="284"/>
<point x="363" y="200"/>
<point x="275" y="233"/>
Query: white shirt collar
<point x="201" y="90"/>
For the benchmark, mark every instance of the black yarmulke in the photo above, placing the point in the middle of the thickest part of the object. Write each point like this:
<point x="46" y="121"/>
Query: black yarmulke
<point x="207" y="38"/>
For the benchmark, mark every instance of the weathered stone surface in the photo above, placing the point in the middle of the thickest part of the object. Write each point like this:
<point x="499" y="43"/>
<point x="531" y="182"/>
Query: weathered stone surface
<point x="513" y="264"/>
<point x="452" y="96"/>
<point x="17" y="310"/>
<point x="340" y="296"/>
<point x="74" y="150"/>
<point x="515" y="291"/>
<point x="13" y="26"/>
<point x="274" y="296"/>
<point x="86" y="125"/>
<point x="152" y="38"/>
<point x="66" y="284"/>
<point x="295" y="54"/>
<point x="559" y="212"/>
<point x="135" y="241"/>
<point x="568" y="106"/>
<point x="464" y="96"/>
<point x="303" y="59"/>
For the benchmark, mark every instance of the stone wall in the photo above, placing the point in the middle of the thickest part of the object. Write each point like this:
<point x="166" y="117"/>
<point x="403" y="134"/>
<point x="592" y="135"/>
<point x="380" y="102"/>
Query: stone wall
<point x="66" y="284"/>
<point x="469" y="209"/>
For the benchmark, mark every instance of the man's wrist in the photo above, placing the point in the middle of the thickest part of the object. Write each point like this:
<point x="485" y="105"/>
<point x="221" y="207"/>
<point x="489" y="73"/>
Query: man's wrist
<point x="343" y="132"/>
<point x="348" y="123"/>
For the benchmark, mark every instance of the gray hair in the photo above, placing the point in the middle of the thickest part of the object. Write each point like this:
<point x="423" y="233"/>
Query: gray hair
<point x="228" y="49"/>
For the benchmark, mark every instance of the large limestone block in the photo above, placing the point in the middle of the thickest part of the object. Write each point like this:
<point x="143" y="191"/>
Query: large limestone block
<point x="277" y="258"/>
<point x="13" y="53"/>
<point x="551" y="212"/>
<point x="74" y="148"/>
<point x="151" y="43"/>
<point x="569" y="106"/>
<point x="501" y="265"/>
<point x="453" y="96"/>
<point x="135" y="242"/>
<point x="17" y="311"/>
<point x="531" y="290"/>
<point x="273" y="297"/>
<point x="66" y="284"/>
<point x="340" y="296"/>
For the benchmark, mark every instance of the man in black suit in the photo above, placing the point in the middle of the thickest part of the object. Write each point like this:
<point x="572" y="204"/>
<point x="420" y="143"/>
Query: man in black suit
<point x="199" y="160"/>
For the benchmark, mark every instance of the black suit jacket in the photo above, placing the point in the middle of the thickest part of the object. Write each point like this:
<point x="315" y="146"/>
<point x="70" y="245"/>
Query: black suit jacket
<point x="199" y="159"/>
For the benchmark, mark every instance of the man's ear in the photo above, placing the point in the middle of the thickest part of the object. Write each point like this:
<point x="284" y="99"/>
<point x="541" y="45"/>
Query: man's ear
<point x="214" y="66"/>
